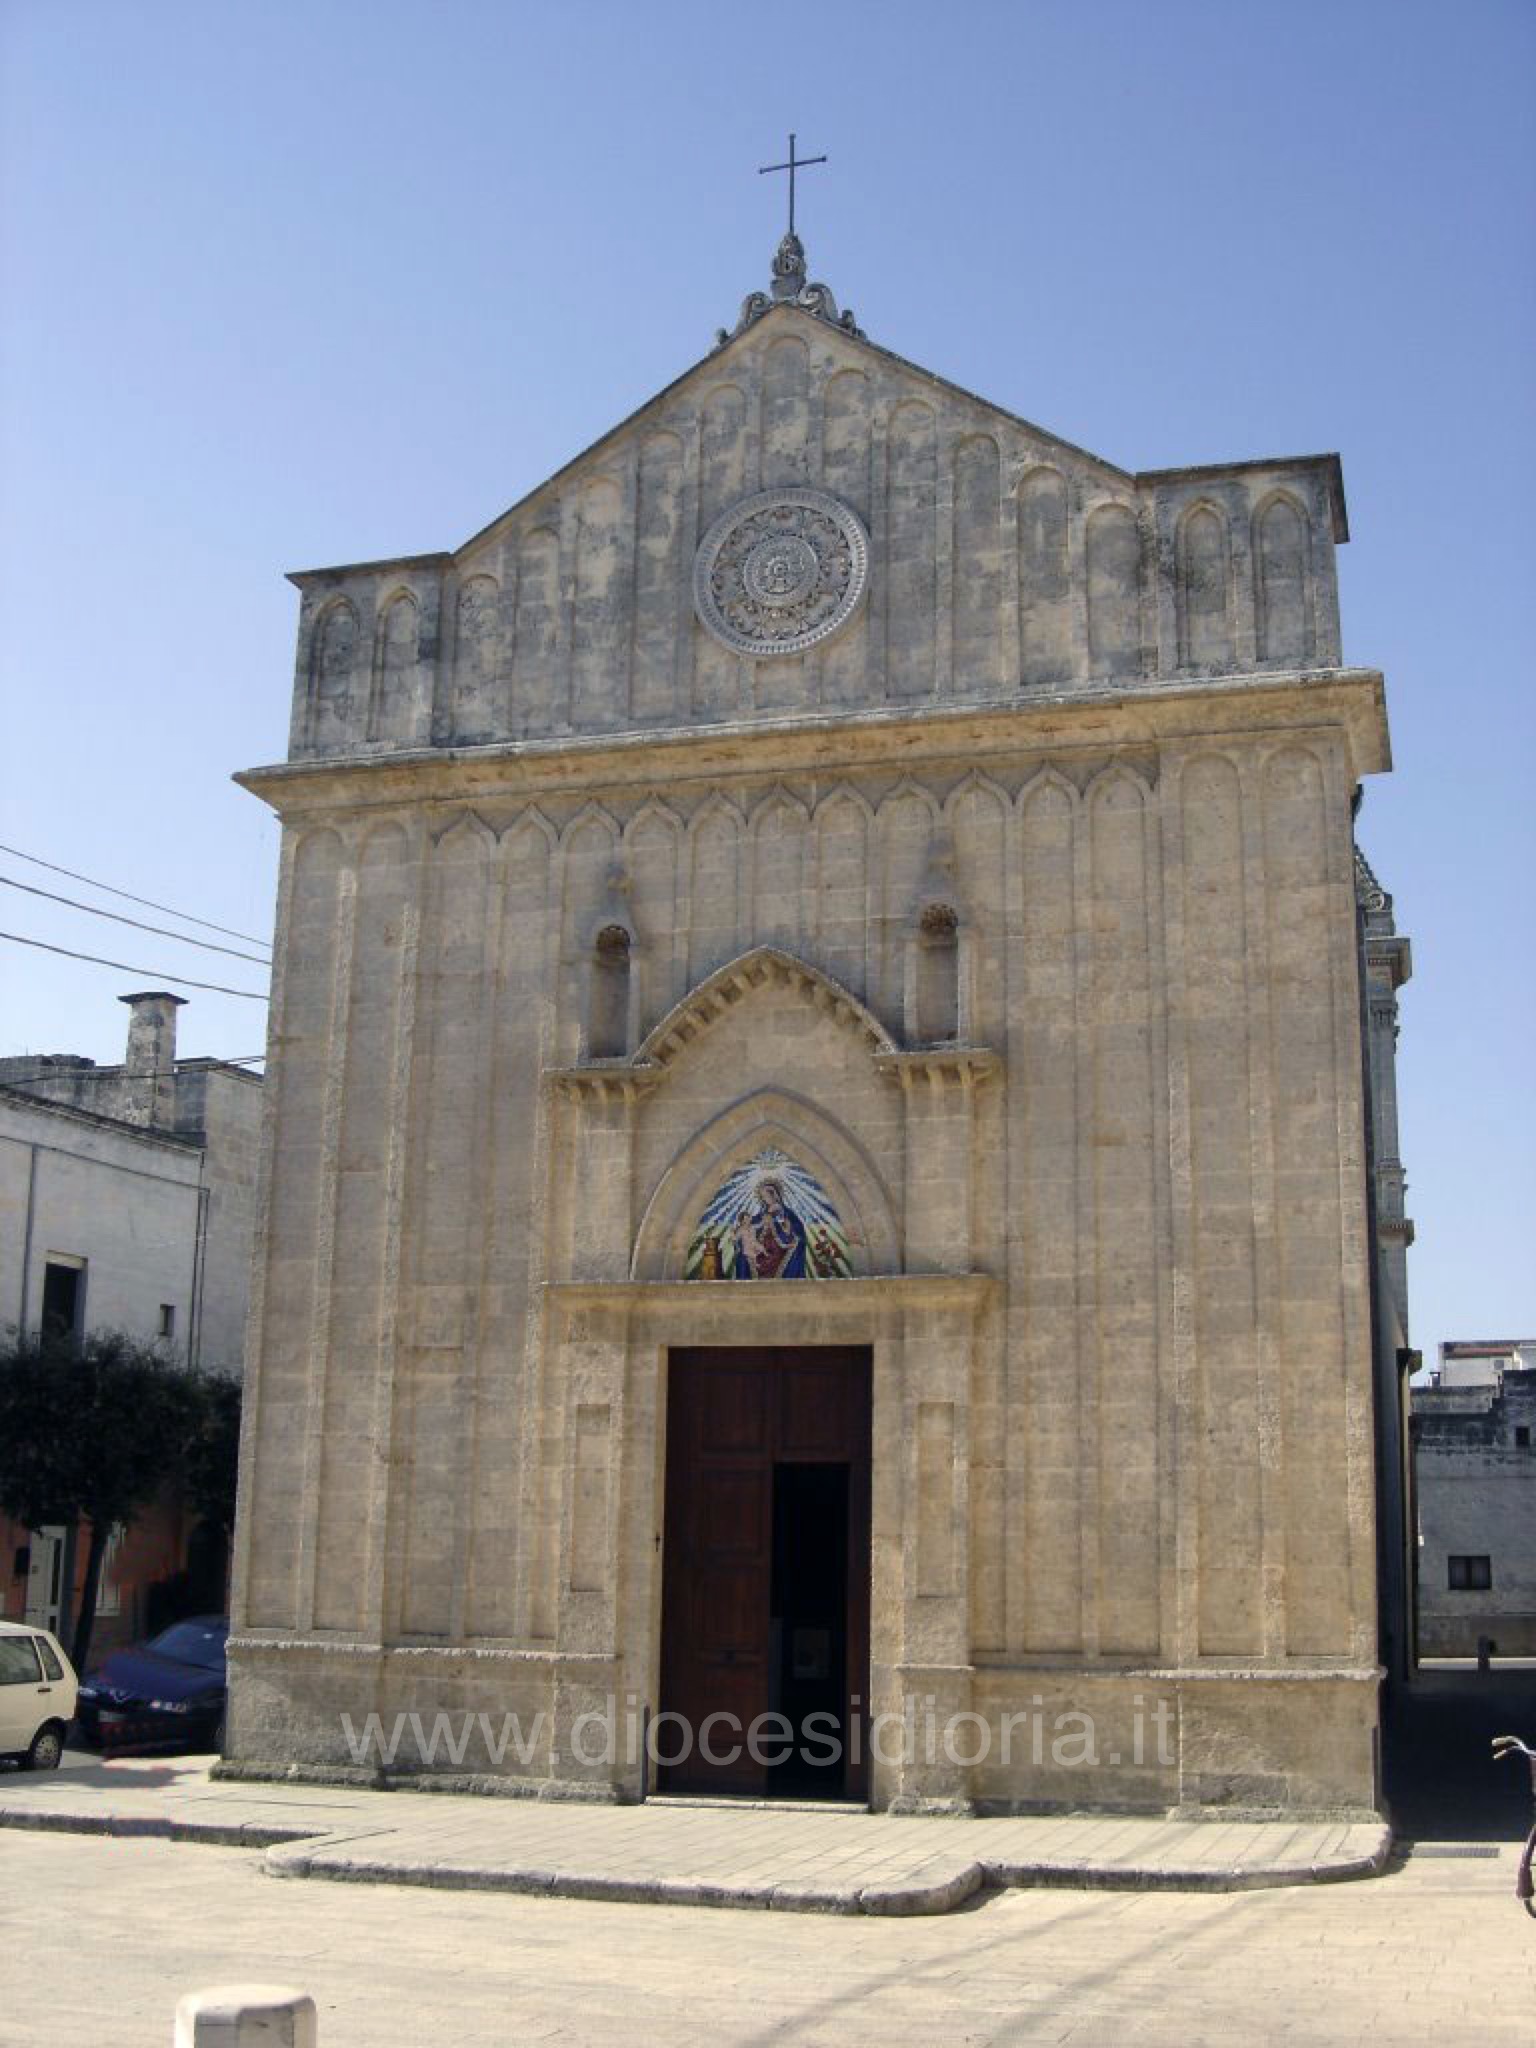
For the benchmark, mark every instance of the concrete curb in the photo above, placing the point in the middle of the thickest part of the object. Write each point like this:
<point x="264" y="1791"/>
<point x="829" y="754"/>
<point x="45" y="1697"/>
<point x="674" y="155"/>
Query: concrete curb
<point x="218" y="1834"/>
<point x="938" y="1884"/>
<point x="608" y="1888"/>
<point x="1239" y="1877"/>
<point x="941" y="1895"/>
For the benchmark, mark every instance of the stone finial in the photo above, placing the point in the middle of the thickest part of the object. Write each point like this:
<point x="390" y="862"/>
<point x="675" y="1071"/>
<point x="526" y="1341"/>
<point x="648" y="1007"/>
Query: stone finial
<point x="788" y="267"/>
<point x="246" y="2016"/>
<point x="788" y="287"/>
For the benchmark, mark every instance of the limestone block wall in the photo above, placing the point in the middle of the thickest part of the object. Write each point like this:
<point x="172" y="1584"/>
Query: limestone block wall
<point x="1147" y="1140"/>
<point x="1003" y="560"/>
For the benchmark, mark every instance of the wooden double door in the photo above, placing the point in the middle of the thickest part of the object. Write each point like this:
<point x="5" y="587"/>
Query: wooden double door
<point x="765" y="1590"/>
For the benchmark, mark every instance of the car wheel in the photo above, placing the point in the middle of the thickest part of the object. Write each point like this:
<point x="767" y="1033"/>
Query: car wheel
<point x="47" y="1749"/>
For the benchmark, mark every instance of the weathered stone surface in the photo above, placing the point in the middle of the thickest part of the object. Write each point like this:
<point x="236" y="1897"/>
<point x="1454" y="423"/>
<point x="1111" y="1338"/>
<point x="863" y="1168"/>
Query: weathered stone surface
<point x="1002" y="558"/>
<point x="1107" y="1214"/>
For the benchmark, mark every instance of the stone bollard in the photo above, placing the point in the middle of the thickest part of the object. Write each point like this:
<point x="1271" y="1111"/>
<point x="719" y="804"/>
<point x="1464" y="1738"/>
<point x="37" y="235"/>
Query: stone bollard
<point x="246" y="2016"/>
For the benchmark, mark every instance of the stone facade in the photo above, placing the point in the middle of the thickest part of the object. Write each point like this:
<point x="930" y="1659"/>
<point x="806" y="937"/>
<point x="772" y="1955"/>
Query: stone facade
<point x="1020" y="911"/>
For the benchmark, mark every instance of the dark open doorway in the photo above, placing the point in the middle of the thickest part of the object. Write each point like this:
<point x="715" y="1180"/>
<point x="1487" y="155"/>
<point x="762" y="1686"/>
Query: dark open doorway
<point x="765" y="1597"/>
<point x="809" y="1623"/>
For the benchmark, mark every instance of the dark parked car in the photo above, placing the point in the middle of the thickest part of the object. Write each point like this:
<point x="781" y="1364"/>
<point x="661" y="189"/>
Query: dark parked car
<point x="164" y="1694"/>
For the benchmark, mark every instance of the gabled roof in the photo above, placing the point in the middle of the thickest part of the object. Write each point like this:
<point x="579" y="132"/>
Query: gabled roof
<point x="756" y="317"/>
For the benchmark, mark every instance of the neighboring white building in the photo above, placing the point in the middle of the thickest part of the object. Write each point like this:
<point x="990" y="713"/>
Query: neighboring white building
<point x="1473" y="1428"/>
<point x="126" y="1202"/>
<point x="1482" y="1362"/>
<point x="127" y="1192"/>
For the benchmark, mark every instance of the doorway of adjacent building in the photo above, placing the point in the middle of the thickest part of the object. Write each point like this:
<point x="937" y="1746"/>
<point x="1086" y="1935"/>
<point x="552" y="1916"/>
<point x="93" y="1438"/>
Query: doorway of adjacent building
<point x="46" y="1558"/>
<point x="765" y="1590"/>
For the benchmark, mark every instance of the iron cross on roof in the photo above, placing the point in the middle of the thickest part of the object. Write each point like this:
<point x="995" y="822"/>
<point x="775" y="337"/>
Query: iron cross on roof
<point x="795" y="164"/>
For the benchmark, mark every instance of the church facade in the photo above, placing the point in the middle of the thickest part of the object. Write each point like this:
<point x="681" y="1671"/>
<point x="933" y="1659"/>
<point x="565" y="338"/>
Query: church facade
<point x="815" y="1150"/>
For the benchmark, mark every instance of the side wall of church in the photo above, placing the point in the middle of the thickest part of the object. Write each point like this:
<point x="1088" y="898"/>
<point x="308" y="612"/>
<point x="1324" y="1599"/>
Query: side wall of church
<point x="1002" y="562"/>
<point x="1161" y="1421"/>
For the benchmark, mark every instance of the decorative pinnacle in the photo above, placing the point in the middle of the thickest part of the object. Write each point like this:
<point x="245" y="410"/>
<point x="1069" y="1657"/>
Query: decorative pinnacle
<point x="789" y="285"/>
<point x="788" y="267"/>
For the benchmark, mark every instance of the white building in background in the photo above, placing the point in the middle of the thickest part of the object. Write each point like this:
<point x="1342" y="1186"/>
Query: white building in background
<point x="1473" y="1430"/>
<point x="1481" y="1362"/>
<point x="127" y="1198"/>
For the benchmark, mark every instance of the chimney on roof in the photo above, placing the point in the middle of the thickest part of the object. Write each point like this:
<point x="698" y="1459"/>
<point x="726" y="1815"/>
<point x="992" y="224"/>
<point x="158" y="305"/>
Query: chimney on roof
<point x="149" y="1066"/>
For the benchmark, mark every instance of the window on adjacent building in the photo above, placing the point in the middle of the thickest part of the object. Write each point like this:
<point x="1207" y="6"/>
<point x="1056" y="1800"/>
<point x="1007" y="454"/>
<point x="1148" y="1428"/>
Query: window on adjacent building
<point x="63" y="1296"/>
<point x="1468" y="1574"/>
<point x="1522" y="1436"/>
<point x="167" y="1319"/>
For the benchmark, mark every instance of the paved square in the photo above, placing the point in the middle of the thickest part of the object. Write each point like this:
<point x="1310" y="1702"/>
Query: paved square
<point x="103" y="1936"/>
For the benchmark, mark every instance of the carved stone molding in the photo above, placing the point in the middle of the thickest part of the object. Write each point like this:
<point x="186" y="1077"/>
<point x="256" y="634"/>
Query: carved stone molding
<point x="617" y="1080"/>
<point x="966" y="1064"/>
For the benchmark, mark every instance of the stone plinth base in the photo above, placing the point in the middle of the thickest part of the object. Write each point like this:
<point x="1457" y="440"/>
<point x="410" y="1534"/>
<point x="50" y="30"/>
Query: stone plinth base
<point x="246" y="2016"/>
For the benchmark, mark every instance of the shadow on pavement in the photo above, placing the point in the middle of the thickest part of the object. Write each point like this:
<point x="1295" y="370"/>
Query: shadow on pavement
<point x="1442" y="1784"/>
<point x="83" y="1767"/>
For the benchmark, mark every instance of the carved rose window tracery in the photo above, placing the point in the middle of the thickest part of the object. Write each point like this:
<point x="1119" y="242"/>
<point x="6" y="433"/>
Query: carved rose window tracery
<point x="780" y="572"/>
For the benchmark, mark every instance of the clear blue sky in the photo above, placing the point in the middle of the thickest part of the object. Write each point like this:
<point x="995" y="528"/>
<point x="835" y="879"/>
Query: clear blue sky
<point x="290" y="284"/>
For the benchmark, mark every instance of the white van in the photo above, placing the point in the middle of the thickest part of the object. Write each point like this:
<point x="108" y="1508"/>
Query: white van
<point x="37" y="1696"/>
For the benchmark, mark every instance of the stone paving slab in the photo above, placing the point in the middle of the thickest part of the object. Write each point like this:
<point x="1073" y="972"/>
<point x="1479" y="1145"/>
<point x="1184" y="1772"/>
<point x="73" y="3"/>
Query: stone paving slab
<point x="839" y="1861"/>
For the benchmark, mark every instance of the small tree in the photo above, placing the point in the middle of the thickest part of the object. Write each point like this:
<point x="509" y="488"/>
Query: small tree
<point x="91" y="1432"/>
<point x="213" y="1456"/>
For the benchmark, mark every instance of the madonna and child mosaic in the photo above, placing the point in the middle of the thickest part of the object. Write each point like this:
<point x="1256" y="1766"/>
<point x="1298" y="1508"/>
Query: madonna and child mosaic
<point x="771" y="1220"/>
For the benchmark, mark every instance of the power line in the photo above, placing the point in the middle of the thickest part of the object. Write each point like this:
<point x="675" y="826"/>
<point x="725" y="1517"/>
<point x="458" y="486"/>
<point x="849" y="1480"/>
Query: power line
<point x="128" y="897"/>
<point x="150" y="973"/>
<point x="181" y="938"/>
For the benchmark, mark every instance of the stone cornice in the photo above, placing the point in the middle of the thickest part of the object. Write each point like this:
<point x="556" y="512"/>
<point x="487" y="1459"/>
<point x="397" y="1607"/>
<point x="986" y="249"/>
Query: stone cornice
<point x="870" y="1295"/>
<point x="1220" y="1671"/>
<point x="617" y="1080"/>
<point x="1392" y="957"/>
<point x="1096" y="720"/>
<point x="966" y="1064"/>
